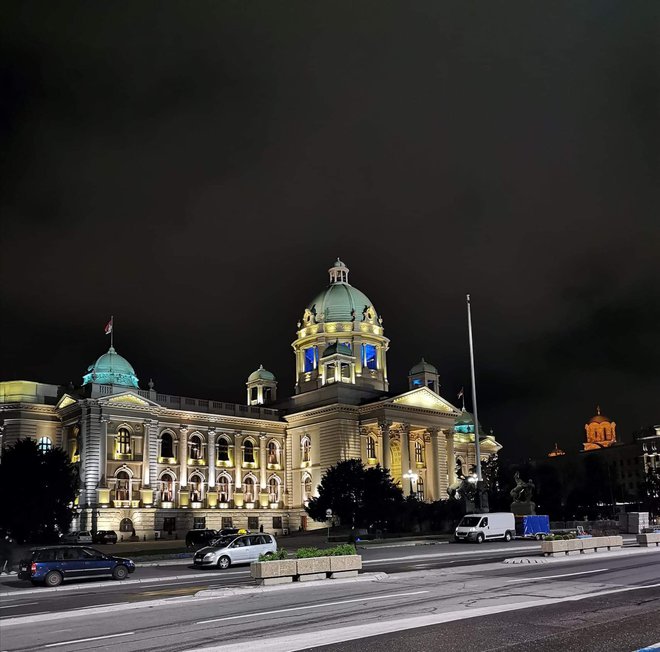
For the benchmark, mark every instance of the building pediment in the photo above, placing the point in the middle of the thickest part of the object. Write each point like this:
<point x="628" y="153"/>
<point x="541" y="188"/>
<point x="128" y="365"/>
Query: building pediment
<point x="129" y="399"/>
<point x="65" y="401"/>
<point x="425" y="398"/>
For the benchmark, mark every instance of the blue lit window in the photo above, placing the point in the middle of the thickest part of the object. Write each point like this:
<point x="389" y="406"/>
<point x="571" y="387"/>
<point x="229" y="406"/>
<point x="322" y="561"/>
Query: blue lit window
<point x="310" y="358"/>
<point x="417" y="382"/>
<point x="369" y="359"/>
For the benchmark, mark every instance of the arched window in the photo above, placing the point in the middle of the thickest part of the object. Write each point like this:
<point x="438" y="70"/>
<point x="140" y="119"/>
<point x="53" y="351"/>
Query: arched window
<point x="371" y="448"/>
<point x="223" y="488"/>
<point x="45" y="444"/>
<point x="248" y="489"/>
<point x="123" y="441"/>
<point x="126" y="525"/>
<point x="273" y="490"/>
<point x="273" y="453"/>
<point x="123" y="486"/>
<point x="167" y="488"/>
<point x="248" y="452"/>
<point x="195" y="446"/>
<point x="419" y="452"/>
<point x="420" y="489"/>
<point x="166" y="445"/>
<point x="307" y="488"/>
<point x="196" y="483"/>
<point x="222" y="449"/>
<point x="306" y="449"/>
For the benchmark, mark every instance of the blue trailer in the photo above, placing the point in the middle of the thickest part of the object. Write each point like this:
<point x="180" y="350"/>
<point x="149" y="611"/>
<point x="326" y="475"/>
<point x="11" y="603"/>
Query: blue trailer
<point x="532" y="526"/>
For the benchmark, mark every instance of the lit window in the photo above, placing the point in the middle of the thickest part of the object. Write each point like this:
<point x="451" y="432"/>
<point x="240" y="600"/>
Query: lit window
<point x="248" y="489"/>
<point x="123" y="442"/>
<point x="306" y="449"/>
<point x="273" y="453"/>
<point x="310" y="358"/>
<point x="369" y="357"/>
<point x="419" y="452"/>
<point x="273" y="490"/>
<point x="248" y="452"/>
<point x="166" y="488"/>
<point x="45" y="444"/>
<point x="371" y="448"/>
<point x="195" y="447"/>
<point x="196" y="488"/>
<point x="420" y="489"/>
<point x="123" y="487"/>
<point x="307" y="488"/>
<point x="223" y="488"/>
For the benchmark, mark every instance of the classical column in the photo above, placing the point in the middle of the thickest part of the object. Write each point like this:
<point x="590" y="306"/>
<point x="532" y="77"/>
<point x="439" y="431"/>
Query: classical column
<point x="384" y="429"/>
<point x="405" y="457"/>
<point x="238" y="460"/>
<point x="451" y="458"/>
<point x="183" y="457"/>
<point x="262" y="461"/>
<point x="103" y="452"/>
<point x="211" y="457"/>
<point x="146" y="477"/>
<point x="435" y="465"/>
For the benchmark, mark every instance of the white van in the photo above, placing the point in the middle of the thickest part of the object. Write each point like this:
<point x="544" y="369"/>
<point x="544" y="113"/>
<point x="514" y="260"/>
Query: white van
<point x="482" y="527"/>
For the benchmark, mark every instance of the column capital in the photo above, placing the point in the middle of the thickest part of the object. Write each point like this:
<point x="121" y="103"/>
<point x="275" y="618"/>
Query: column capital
<point x="263" y="436"/>
<point x="405" y="428"/>
<point x="104" y="419"/>
<point x="385" y="424"/>
<point x="211" y="431"/>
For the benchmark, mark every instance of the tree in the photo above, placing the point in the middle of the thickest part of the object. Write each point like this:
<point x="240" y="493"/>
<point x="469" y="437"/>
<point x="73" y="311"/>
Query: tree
<point x="652" y="490"/>
<point x="357" y="496"/>
<point x="37" y="491"/>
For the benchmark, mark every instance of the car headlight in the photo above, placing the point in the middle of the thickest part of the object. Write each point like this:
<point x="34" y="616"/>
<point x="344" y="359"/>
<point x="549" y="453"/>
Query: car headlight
<point x="209" y="555"/>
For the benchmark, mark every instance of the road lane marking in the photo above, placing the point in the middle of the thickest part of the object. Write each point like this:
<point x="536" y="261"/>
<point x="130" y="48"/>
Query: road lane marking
<point x="552" y="577"/>
<point x="308" y="606"/>
<point x="13" y="606"/>
<point x="85" y="640"/>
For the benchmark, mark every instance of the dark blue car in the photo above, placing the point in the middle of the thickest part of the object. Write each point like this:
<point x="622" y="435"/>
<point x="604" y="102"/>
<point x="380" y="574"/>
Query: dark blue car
<point x="53" y="564"/>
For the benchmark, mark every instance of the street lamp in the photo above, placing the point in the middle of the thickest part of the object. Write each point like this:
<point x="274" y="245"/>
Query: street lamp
<point x="413" y="478"/>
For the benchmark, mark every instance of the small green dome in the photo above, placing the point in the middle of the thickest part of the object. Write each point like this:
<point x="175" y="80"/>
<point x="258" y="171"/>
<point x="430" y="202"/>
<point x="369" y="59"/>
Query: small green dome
<point x="337" y="347"/>
<point x="111" y="369"/>
<point x="260" y="374"/>
<point x="423" y="367"/>
<point x="465" y="423"/>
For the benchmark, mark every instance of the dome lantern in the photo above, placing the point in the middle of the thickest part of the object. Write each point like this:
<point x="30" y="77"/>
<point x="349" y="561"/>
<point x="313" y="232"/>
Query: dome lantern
<point x="338" y="272"/>
<point x="261" y="387"/>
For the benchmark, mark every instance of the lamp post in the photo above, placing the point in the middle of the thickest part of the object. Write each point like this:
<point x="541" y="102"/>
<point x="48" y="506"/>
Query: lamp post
<point x="328" y="518"/>
<point x="413" y="478"/>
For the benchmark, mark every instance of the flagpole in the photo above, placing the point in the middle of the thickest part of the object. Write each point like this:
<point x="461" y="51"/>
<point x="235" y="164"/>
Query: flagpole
<point x="112" y="331"/>
<point x="477" y="444"/>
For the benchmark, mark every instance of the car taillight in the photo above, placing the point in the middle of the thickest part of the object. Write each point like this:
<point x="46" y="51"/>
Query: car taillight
<point x="33" y="568"/>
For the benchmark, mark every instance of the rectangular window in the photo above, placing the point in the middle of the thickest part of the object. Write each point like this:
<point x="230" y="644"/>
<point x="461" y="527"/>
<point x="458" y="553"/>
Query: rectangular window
<point x="226" y="522"/>
<point x="310" y="358"/>
<point x="169" y="524"/>
<point x="277" y="522"/>
<point x="199" y="522"/>
<point x="253" y="522"/>
<point x="369" y="357"/>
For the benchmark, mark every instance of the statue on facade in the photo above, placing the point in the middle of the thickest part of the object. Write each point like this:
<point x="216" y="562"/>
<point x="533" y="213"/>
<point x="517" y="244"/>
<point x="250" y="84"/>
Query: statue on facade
<point x="521" y="495"/>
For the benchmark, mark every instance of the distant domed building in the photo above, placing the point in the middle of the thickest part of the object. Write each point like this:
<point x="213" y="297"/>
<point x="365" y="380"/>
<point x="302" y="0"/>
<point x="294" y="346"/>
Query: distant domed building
<point x="601" y="432"/>
<point x="156" y="464"/>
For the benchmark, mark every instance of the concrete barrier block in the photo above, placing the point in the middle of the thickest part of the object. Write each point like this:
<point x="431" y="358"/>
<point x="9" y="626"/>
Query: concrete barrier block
<point x="313" y="565"/>
<point x="343" y="563"/>
<point x="310" y="577"/>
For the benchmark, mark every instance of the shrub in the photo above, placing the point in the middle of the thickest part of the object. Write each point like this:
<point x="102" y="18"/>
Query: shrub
<point x="274" y="556"/>
<point x="337" y="551"/>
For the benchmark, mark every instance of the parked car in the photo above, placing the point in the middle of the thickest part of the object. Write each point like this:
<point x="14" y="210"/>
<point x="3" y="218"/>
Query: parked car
<point x="231" y="531"/>
<point x="52" y="564"/>
<point x="78" y="537"/>
<point x="104" y="536"/>
<point x="199" y="538"/>
<point x="241" y="549"/>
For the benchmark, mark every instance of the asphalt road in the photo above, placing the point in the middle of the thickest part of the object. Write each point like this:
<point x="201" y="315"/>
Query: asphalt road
<point x="604" y="601"/>
<point x="181" y="579"/>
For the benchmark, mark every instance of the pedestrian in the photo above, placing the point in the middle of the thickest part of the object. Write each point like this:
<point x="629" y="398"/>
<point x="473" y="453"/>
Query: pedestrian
<point x="261" y="528"/>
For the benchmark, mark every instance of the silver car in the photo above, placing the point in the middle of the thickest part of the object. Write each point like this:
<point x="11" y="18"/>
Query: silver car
<point x="224" y="552"/>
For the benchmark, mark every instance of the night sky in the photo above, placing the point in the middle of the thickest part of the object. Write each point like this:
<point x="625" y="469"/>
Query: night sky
<point x="194" y="168"/>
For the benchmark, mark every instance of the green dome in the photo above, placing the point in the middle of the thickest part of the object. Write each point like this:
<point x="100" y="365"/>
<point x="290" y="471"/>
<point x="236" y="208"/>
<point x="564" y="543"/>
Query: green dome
<point x="337" y="347"/>
<point x="111" y="369"/>
<point x="423" y="367"/>
<point x="261" y="374"/>
<point x="465" y="423"/>
<point x="339" y="302"/>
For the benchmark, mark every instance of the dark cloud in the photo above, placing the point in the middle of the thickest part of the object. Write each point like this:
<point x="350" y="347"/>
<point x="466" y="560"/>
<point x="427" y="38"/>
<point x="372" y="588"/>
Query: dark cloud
<point x="195" y="168"/>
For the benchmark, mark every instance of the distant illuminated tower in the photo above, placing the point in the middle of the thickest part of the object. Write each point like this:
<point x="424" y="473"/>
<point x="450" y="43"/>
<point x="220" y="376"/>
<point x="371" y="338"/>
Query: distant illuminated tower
<point x="261" y="387"/>
<point x="556" y="452"/>
<point x="601" y="432"/>
<point x="340" y="339"/>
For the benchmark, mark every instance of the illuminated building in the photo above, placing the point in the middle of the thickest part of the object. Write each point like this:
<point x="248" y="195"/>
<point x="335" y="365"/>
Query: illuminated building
<point x="155" y="463"/>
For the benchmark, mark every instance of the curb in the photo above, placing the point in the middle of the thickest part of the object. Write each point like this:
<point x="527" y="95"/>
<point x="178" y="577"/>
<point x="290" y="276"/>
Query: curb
<point x="624" y="552"/>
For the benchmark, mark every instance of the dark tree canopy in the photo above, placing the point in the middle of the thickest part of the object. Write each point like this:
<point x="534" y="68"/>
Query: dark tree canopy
<point x="37" y="491"/>
<point x="357" y="496"/>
